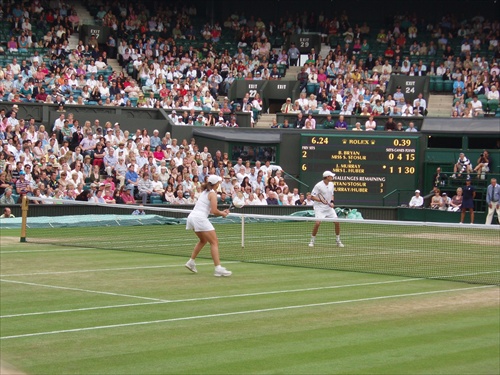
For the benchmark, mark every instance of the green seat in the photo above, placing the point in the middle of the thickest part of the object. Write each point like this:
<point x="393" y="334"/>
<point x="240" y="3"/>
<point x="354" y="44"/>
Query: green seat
<point x="311" y="88"/>
<point x="493" y="105"/>
<point x="439" y="86"/>
<point x="448" y="86"/>
<point x="155" y="200"/>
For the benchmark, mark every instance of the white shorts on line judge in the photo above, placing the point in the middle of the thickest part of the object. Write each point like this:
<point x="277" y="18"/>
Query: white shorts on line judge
<point x="325" y="213"/>
<point x="199" y="224"/>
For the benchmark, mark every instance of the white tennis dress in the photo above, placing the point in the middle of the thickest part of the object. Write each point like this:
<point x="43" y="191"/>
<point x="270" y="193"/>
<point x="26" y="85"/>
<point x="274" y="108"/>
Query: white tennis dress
<point x="321" y="210"/>
<point x="198" y="218"/>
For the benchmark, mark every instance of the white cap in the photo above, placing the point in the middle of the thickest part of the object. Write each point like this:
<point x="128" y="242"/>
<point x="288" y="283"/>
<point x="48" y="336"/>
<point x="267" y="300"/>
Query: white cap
<point x="213" y="179"/>
<point x="417" y="191"/>
<point x="328" y="174"/>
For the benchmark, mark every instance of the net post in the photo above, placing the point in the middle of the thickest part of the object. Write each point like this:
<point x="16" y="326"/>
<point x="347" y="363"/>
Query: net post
<point x="242" y="231"/>
<point x="24" y="210"/>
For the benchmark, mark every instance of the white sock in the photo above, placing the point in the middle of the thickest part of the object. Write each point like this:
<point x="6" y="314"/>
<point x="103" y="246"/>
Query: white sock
<point x="338" y="238"/>
<point x="313" y="238"/>
<point x="191" y="260"/>
<point x="218" y="267"/>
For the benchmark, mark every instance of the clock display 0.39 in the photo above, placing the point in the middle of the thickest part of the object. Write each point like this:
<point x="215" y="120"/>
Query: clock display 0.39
<point x="366" y="167"/>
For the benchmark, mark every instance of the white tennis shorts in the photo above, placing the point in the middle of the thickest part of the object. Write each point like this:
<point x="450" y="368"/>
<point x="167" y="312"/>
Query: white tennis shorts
<point x="199" y="224"/>
<point x="322" y="213"/>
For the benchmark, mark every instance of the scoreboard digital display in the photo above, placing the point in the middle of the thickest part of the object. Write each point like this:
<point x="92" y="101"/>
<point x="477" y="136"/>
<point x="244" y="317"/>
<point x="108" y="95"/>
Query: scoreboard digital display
<point x="366" y="167"/>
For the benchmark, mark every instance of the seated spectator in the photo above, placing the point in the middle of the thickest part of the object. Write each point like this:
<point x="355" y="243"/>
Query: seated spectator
<point x="483" y="165"/>
<point x="287" y="106"/>
<point x="477" y="106"/>
<point x="390" y="125"/>
<point x="456" y="202"/>
<point x="417" y="201"/>
<point x="463" y="165"/>
<point x="411" y="127"/>
<point x="370" y="125"/>
<point x="7" y="198"/>
<point x="7" y="214"/>
<point x="357" y="127"/>
<point x="341" y="124"/>
<point x="445" y="202"/>
<point x="436" y="200"/>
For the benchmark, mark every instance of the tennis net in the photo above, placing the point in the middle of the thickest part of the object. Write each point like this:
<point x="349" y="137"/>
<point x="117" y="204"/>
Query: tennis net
<point x="467" y="253"/>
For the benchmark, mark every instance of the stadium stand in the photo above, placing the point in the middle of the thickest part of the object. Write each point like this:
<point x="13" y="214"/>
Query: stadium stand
<point x="175" y="59"/>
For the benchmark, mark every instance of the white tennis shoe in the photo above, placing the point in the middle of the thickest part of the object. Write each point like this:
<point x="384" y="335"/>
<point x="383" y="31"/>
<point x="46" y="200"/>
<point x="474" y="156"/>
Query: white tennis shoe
<point x="221" y="271"/>
<point x="339" y="244"/>
<point x="191" y="266"/>
<point x="311" y="244"/>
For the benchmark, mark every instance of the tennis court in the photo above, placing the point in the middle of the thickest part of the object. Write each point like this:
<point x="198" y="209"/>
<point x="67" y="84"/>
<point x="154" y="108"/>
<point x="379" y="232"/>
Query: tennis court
<point x="82" y="310"/>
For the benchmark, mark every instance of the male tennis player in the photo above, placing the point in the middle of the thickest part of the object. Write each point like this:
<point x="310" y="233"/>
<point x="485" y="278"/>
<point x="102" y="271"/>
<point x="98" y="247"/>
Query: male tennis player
<point x="323" y="195"/>
<point x="198" y="221"/>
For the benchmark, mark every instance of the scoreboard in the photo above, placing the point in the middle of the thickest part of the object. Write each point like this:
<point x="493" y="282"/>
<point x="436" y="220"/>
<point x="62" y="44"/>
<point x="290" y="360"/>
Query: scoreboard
<point x="366" y="167"/>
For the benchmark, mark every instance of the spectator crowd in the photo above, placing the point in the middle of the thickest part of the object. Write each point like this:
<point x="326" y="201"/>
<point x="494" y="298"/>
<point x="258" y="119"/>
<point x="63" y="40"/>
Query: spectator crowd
<point x="170" y="60"/>
<point x="101" y="163"/>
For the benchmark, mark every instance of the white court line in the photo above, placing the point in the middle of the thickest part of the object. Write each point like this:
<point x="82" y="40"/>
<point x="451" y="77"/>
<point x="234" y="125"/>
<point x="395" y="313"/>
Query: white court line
<point x="46" y="251"/>
<point x="80" y="290"/>
<point x="106" y="269"/>
<point x="214" y="297"/>
<point x="185" y="318"/>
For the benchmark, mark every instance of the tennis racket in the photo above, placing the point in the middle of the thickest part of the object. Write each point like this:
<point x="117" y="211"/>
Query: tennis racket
<point x="322" y="199"/>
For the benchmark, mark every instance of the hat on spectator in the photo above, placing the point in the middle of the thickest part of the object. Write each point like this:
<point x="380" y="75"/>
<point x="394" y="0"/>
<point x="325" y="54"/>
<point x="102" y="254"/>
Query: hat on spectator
<point x="213" y="179"/>
<point x="56" y="165"/>
<point x="87" y="157"/>
<point x="417" y="191"/>
<point x="328" y="174"/>
<point x="109" y="130"/>
<point x="169" y="146"/>
<point x="52" y="156"/>
<point x="227" y="176"/>
<point x="181" y="146"/>
<point x="117" y="124"/>
<point x="22" y="173"/>
<point x="174" y="111"/>
<point x="15" y="107"/>
<point x="444" y="194"/>
<point x="49" y="164"/>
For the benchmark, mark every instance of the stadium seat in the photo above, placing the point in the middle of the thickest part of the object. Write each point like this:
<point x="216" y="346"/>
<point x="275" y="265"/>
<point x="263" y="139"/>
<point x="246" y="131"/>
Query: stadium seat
<point x="439" y="86"/>
<point x="155" y="200"/>
<point x="492" y="105"/>
<point x="448" y="86"/>
<point x="311" y="88"/>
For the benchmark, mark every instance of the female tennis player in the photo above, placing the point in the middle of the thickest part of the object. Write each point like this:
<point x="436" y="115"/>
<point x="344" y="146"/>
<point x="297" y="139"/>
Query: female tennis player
<point x="322" y="195"/>
<point x="198" y="221"/>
